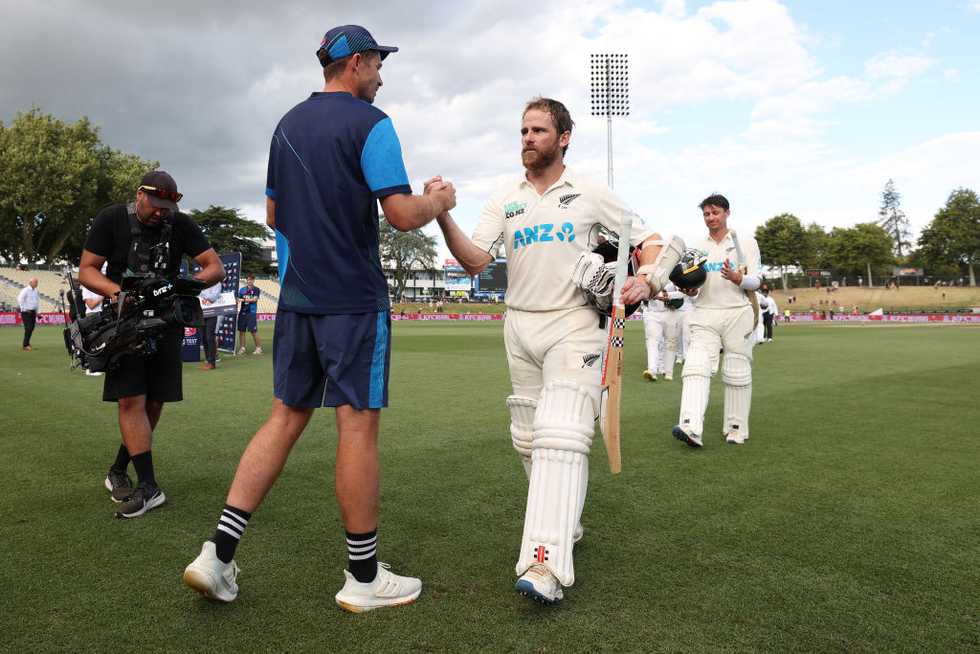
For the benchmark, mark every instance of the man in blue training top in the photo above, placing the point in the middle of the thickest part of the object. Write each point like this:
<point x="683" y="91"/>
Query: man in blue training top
<point x="248" y="314"/>
<point x="332" y="158"/>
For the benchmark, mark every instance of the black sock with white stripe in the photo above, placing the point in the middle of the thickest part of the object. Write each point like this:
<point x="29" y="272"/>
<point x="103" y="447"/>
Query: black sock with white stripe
<point x="231" y="526"/>
<point x="362" y="555"/>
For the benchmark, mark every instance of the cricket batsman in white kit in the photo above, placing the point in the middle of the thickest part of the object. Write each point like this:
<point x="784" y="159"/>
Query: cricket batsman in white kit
<point x="662" y="327"/>
<point x="547" y="222"/>
<point x="724" y="318"/>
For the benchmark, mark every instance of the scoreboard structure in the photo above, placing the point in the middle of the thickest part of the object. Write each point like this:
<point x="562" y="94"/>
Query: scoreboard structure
<point x="492" y="282"/>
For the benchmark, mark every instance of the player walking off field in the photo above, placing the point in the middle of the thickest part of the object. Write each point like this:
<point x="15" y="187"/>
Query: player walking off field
<point x="545" y="221"/>
<point x="724" y="317"/>
<point x="333" y="157"/>
<point x="662" y="329"/>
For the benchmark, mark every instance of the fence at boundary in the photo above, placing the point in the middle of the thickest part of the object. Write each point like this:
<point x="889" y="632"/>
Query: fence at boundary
<point x="12" y="318"/>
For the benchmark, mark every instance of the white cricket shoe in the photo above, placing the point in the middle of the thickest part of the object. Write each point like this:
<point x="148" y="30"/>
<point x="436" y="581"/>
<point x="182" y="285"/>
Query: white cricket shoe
<point x="258" y="350"/>
<point x="241" y="350"/>
<point x="692" y="439"/>
<point x="387" y="589"/>
<point x="539" y="584"/>
<point x="734" y="438"/>
<point x="212" y="577"/>
<point x="668" y="376"/>
<point x="649" y="376"/>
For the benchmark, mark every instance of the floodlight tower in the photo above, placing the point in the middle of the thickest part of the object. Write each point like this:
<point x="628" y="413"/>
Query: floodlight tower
<point x="610" y="87"/>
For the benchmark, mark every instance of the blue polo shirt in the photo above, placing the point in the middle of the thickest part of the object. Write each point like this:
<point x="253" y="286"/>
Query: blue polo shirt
<point x="332" y="158"/>
<point x="245" y="292"/>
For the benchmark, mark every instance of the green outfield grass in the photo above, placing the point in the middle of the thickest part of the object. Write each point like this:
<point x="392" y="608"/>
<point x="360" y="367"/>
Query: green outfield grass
<point x="848" y="523"/>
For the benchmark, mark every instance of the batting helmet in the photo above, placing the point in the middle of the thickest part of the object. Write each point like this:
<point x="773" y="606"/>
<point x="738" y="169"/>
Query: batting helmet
<point x="690" y="272"/>
<point x="608" y="251"/>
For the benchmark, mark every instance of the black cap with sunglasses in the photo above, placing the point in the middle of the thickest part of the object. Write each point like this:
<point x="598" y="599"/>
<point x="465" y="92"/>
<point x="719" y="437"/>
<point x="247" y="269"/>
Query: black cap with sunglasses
<point x="160" y="190"/>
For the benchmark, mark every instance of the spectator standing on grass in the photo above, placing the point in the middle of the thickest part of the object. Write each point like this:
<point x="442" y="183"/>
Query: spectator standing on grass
<point x="333" y="157"/>
<point x="769" y="314"/>
<point x="209" y="335"/>
<point x="27" y="302"/>
<point x="248" y="314"/>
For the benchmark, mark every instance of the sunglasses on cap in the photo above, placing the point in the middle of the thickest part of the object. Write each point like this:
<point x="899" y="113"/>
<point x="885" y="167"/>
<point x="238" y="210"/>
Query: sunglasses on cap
<point x="163" y="194"/>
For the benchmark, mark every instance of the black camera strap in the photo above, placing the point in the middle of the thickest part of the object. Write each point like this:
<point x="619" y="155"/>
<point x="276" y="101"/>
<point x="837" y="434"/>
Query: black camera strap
<point x="144" y="257"/>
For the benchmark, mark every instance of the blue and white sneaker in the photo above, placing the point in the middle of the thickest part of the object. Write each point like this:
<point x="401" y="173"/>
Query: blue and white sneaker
<point x="692" y="439"/>
<point x="539" y="584"/>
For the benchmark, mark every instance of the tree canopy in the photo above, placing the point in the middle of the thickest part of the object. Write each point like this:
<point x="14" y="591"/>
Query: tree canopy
<point x="953" y="236"/>
<point x="54" y="177"/>
<point x="405" y="252"/>
<point x="892" y="219"/>
<point x="229" y="231"/>
<point x="853" y="250"/>
<point x="782" y="242"/>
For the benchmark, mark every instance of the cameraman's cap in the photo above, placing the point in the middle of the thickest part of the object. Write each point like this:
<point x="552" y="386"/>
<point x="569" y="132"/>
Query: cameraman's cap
<point x="345" y="40"/>
<point x="160" y="189"/>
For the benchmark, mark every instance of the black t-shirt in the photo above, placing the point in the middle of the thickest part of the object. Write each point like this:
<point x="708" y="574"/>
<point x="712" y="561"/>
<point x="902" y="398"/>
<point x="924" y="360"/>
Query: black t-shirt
<point x="111" y="235"/>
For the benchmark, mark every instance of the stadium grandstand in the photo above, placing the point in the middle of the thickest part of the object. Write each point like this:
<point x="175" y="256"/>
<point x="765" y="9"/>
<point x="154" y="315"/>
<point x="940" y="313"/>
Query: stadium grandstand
<point x="270" y="294"/>
<point x="49" y="284"/>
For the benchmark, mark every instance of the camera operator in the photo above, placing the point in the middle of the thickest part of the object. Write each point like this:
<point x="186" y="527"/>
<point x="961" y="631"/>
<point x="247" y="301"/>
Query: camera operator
<point x="146" y="237"/>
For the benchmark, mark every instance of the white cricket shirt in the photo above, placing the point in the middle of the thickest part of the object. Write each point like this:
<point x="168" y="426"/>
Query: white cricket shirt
<point x="543" y="236"/>
<point x="717" y="292"/>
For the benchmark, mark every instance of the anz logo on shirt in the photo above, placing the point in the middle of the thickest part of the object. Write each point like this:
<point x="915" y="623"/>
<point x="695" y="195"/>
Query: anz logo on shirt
<point x="543" y="233"/>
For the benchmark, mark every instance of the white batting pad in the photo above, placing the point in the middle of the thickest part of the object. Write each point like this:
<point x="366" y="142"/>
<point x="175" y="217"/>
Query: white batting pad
<point x="697" y="386"/>
<point x="522" y="426"/>
<point x="658" y="272"/>
<point x="563" y="431"/>
<point x="653" y="329"/>
<point x="736" y="372"/>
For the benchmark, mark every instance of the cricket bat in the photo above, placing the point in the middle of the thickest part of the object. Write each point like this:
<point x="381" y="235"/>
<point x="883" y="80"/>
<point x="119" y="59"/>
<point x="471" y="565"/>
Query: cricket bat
<point x="612" y="369"/>
<point x="744" y="270"/>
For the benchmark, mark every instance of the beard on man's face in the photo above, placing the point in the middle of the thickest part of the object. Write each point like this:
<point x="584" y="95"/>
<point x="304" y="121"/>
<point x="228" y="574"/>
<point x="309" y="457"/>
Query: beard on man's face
<point x="536" y="159"/>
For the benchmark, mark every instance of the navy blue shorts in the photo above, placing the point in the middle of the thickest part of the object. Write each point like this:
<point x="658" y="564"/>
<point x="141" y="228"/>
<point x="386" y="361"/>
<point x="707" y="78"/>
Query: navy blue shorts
<point x="332" y="360"/>
<point x="247" y="322"/>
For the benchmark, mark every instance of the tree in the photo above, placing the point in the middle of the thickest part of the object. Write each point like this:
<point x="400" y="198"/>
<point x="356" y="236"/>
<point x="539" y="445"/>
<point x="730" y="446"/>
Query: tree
<point x="228" y="231"/>
<point x="54" y="177"/>
<point x="817" y="244"/>
<point x="864" y="247"/>
<point x="953" y="236"/>
<point x="404" y="253"/>
<point x="782" y="242"/>
<point x="892" y="219"/>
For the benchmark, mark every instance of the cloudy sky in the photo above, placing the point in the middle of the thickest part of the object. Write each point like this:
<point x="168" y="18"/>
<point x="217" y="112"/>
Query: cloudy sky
<point x="804" y="107"/>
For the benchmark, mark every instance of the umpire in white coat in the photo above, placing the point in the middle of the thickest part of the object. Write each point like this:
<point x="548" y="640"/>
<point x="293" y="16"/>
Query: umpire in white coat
<point x="725" y="318"/>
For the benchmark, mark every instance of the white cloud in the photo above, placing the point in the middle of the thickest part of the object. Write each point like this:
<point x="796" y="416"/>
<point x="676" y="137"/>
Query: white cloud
<point x="894" y="66"/>
<point x="455" y="90"/>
